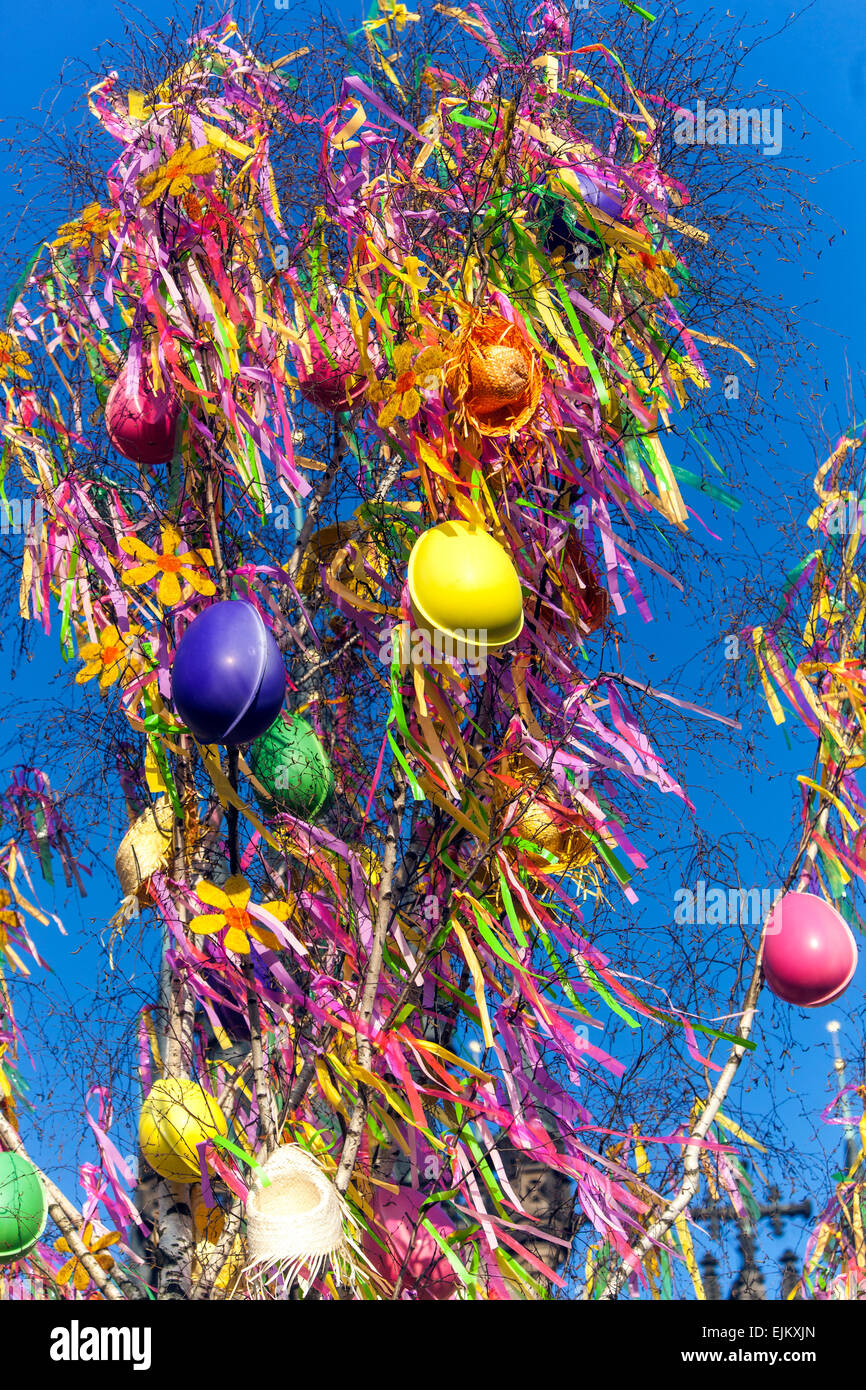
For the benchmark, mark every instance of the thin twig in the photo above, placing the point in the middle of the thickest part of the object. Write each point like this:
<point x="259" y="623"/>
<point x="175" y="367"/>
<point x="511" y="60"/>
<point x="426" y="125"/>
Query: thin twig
<point x="358" y="1117"/>
<point x="257" y="1055"/>
<point x="690" y="1183"/>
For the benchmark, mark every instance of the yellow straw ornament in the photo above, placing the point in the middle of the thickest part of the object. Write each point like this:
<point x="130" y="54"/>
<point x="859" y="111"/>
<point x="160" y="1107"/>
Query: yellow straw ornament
<point x="144" y="850"/>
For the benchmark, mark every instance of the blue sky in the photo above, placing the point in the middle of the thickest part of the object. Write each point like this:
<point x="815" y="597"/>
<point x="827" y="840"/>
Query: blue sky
<point x="821" y="62"/>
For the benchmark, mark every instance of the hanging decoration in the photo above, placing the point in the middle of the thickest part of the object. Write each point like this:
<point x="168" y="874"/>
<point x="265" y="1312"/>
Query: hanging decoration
<point x="176" y="1117"/>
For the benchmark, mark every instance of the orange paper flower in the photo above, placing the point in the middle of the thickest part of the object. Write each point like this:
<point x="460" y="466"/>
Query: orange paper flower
<point x="652" y="269"/>
<point x="91" y="225"/>
<point x="179" y="573"/>
<point x="113" y="657"/>
<point x="13" y="361"/>
<point x="416" y="368"/>
<point x="175" y="177"/>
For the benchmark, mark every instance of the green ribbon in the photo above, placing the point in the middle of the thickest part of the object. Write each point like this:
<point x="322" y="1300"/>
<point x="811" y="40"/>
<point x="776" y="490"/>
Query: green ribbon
<point x="601" y="989"/>
<point x="156" y="728"/>
<point x="472" y="121"/>
<point x="493" y="941"/>
<point x="559" y="972"/>
<point x="243" y="1156"/>
<point x="509" y="908"/>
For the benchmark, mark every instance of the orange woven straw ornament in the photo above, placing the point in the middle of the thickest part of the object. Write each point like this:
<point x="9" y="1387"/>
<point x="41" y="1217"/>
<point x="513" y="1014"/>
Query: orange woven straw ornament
<point x="494" y="377"/>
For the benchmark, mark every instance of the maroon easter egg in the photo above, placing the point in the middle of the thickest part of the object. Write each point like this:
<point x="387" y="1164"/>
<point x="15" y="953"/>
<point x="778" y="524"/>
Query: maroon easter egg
<point x="142" y="424"/>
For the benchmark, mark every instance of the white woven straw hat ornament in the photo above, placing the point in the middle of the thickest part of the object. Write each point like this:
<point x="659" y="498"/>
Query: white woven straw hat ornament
<point x="297" y="1224"/>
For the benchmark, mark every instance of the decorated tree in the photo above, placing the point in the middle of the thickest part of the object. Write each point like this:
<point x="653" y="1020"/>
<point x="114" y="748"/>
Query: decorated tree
<point x="810" y="654"/>
<point x="338" y="408"/>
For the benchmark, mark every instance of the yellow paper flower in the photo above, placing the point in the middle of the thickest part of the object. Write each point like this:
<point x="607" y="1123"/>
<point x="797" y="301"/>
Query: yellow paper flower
<point x="394" y="13"/>
<point x="13" y="360"/>
<point x="176" y="175"/>
<point x="73" y="1271"/>
<point x="113" y="657"/>
<point x="91" y="225"/>
<point x="7" y="918"/>
<point x="415" y="370"/>
<point x="231" y="903"/>
<point x="652" y="269"/>
<point x="179" y="573"/>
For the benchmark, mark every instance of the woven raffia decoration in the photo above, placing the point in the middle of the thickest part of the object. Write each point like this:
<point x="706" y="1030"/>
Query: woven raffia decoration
<point x="577" y="598"/>
<point x="536" y="820"/>
<point x="360" y="557"/>
<point x="297" y="1222"/>
<point x="144" y="849"/>
<point x="588" y="599"/>
<point x="494" y="377"/>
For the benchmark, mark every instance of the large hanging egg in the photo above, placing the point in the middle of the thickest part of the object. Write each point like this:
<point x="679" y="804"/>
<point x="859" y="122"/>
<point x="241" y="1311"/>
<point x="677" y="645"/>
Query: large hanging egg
<point x="142" y="424"/>
<point x="330" y="374"/>
<point x="606" y="197"/>
<point x="293" y="768"/>
<point x="810" y="954"/>
<point x="228" y="679"/>
<point x="145" y="849"/>
<point x="398" y="1228"/>
<point x="177" y="1116"/>
<point x="463" y="584"/>
<point x="23" y="1207"/>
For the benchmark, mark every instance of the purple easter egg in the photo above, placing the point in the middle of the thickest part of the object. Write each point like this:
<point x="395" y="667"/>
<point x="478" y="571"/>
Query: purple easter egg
<point x="606" y="199"/>
<point x="228" y="680"/>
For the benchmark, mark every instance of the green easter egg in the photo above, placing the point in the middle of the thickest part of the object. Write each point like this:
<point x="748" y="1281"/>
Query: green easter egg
<point x="294" y="768"/>
<point x="23" y="1208"/>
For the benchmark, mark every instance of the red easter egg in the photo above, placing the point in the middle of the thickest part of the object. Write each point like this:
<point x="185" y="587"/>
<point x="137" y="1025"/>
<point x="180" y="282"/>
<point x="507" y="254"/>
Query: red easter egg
<point x="142" y="424"/>
<point x="810" y="954"/>
<point x="332" y="379"/>
<point x="427" y="1271"/>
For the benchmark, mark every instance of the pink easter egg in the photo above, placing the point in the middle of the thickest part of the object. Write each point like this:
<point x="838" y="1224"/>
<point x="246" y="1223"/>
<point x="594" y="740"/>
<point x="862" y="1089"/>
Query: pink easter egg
<point x="141" y="424"/>
<point x="333" y="379"/>
<point x="810" y="954"/>
<point x="426" y="1271"/>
